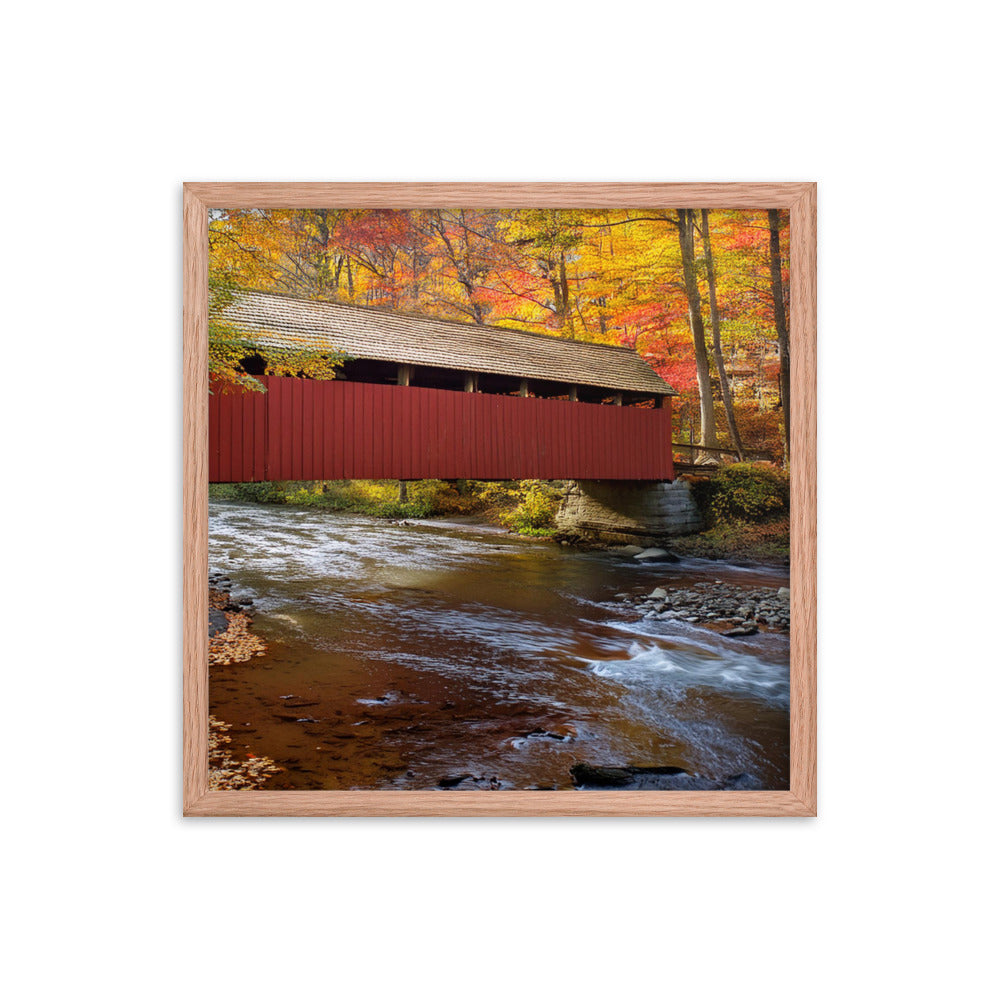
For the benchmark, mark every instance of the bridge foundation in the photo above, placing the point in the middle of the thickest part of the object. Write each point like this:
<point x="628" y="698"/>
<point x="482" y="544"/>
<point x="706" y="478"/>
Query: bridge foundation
<point x="626" y="513"/>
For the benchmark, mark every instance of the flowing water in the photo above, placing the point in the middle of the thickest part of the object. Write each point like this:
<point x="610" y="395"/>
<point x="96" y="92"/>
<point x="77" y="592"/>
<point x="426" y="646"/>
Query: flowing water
<point x="403" y="654"/>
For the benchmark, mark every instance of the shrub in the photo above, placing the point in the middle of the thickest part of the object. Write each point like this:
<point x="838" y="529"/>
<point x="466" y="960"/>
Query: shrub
<point x="744" y="493"/>
<point x="535" y="511"/>
<point x="260" y="492"/>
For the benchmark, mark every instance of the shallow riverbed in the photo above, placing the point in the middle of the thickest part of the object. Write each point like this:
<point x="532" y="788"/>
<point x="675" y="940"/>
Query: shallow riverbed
<point x="404" y="655"/>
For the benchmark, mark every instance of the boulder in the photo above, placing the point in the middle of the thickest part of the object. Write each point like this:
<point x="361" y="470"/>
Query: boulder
<point x="453" y="780"/>
<point x="217" y="622"/>
<point x="655" y="555"/>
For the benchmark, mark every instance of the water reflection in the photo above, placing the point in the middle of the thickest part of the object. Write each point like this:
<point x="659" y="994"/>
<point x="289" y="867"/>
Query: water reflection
<point x="431" y="650"/>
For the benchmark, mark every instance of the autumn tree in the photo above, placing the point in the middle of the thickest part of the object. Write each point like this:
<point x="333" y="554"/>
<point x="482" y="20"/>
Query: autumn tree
<point x="230" y="348"/>
<point x="720" y="363"/>
<point x="781" y="326"/>
<point x="685" y="230"/>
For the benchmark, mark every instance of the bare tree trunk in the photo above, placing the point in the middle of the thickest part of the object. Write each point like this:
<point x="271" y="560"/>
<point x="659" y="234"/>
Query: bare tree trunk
<point x="720" y="364"/>
<point x="403" y="495"/>
<point x="780" y="324"/>
<point x="685" y="231"/>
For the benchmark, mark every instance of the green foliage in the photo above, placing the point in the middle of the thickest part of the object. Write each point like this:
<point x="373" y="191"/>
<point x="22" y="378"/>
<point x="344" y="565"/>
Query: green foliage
<point x="526" y="507"/>
<point x="228" y="346"/>
<point x="534" y="508"/>
<point x="743" y="493"/>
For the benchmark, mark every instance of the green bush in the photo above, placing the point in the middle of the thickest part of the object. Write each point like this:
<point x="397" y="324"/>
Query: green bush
<point x="260" y="492"/>
<point x="744" y="493"/>
<point x="535" y="511"/>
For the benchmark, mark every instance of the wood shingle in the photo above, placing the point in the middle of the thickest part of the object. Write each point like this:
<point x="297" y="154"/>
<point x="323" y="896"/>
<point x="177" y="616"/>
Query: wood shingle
<point x="376" y="334"/>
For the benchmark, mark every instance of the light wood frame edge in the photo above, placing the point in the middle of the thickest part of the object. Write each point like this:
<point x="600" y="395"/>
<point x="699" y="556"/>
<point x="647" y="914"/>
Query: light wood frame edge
<point x="800" y="799"/>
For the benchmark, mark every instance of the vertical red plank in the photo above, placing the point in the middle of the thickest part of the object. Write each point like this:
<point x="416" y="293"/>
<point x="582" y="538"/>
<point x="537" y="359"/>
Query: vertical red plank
<point x="250" y="417"/>
<point x="235" y="447"/>
<point x="530" y="424"/>
<point x="367" y="433"/>
<point x="348" y="436"/>
<point x="485" y="435"/>
<point x="438" y="429"/>
<point x="283" y="409"/>
<point x="384" y="443"/>
<point x="298" y="422"/>
<point x="607" y="444"/>
<point x="380" y="444"/>
<point x="472" y="435"/>
<point x="538" y="449"/>
<point x="213" y="438"/>
<point x="423" y="439"/>
<point x="451" y="437"/>
<point x="421" y="436"/>
<point x="272" y="415"/>
<point x="319" y="427"/>
<point x="563" y="439"/>
<point x="273" y="429"/>
<point x="397" y="398"/>
<point x="287" y="433"/>
<point x="514" y="423"/>
<point x="308" y="432"/>
<point x="501" y="431"/>
<point x="249" y="442"/>
<point x="382" y="430"/>
<point x="405" y="423"/>
<point x="590" y="437"/>
<point x="621" y="446"/>
<point x="463" y="420"/>
<point x="329" y="432"/>
<point x="360" y="436"/>
<point x="344" y="416"/>
<point x="225" y="430"/>
<point x="394" y="397"/>
<point x="461" y="417"/>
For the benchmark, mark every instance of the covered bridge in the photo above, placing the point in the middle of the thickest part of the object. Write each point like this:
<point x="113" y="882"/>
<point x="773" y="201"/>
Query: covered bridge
<point x="423" y="398"/>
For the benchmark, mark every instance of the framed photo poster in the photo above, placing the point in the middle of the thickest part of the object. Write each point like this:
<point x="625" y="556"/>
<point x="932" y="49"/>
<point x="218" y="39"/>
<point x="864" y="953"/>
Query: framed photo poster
<point x="499" y="499"/>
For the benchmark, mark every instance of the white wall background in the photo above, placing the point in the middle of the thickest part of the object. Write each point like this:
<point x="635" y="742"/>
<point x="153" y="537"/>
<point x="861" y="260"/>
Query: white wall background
<point x="109" y="107"/>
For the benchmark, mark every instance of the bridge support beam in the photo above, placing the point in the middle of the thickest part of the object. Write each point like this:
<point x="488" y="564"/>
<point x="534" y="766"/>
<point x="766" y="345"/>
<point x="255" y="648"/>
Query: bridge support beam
<point x="626" y="513"/>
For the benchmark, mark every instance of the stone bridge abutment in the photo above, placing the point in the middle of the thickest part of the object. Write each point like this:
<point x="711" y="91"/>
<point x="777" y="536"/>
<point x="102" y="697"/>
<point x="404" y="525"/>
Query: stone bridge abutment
<point x="626" y="513"/>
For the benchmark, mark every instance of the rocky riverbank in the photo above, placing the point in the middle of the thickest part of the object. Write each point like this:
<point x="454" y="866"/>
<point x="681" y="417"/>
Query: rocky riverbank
<point x="723" y="607"/>
<point x="230" y="641"/>
<point x="229" y="637"/>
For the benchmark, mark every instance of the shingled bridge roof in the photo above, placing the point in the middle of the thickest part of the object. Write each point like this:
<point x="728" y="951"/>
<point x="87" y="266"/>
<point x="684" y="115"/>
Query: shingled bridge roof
<point x="285" y="321"/>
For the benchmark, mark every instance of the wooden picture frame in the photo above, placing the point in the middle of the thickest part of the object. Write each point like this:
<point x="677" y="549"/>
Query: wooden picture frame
<point x="800" y="799"/>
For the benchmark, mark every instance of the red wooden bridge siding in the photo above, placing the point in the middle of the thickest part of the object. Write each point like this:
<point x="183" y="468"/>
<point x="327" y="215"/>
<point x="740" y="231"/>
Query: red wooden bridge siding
<point x="301" y="429"/>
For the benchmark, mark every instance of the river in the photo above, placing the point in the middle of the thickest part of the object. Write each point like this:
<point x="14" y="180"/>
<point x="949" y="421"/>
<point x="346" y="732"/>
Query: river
<point x="404" y="654"/>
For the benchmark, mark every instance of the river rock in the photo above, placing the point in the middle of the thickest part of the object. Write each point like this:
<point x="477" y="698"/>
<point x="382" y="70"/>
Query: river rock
<point x="595" y="776"/>
<point x="656" y="555"/>
<point x="658" y="595"/>
<point x="217" y="622"/>
<point x="784" y="594"/>
<point x="741" y="630"/>
<point x="452" y="780"/>
<point x="630" y="550"/>
<point x="660" y="778"/>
